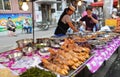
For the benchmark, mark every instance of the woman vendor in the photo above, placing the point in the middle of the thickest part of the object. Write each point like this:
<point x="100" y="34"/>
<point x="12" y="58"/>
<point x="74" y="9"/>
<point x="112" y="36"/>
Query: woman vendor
<point x="65" y="22"/>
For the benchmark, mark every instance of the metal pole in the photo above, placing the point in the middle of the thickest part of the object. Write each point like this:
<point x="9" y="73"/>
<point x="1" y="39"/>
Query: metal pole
<point x="33" y="21"/>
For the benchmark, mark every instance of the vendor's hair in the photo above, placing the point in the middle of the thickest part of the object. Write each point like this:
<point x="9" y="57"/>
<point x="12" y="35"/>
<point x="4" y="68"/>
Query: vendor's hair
<point x="89" y="8"/>
<point x="64" y="13"/>
<point x="9" y="17"/>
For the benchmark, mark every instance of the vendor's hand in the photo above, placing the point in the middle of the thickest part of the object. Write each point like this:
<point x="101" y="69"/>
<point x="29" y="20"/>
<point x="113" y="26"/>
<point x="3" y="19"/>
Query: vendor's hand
<point x="84" y="25"/>
<point x="13" y="27"/>
<point x="90" y="16"/>
<point x="76" y="31"/>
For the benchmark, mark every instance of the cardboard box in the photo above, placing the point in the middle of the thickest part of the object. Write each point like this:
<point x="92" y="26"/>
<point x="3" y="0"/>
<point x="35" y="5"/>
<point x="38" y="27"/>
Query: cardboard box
<point x="111" y="22"/>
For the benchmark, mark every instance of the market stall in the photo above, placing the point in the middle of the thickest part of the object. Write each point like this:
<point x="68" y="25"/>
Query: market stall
<point x="100" y="3"/>
<point x="62" y="56"/>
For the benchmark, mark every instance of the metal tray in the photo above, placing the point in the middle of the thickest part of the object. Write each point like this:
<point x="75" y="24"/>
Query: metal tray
<point x="72" y="72"/>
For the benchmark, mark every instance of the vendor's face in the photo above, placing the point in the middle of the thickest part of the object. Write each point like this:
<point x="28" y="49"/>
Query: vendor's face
<point x="89" y="12"/>
<point x="9" y="19"/>
<point x="70" y="12"/>
<point x="26" y="19"/>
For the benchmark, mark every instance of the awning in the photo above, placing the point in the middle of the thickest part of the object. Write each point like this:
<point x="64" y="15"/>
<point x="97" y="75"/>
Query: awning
<point x="100" y="3"/>
<point x="47" y="1"/>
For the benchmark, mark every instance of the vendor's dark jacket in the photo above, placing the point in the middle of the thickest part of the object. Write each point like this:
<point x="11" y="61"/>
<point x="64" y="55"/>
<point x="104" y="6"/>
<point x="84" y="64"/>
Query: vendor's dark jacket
<point x="89" y="23"/>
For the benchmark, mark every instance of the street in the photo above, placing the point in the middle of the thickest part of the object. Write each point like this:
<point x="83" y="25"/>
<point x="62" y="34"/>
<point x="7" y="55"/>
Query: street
<point x="8" y="43"/>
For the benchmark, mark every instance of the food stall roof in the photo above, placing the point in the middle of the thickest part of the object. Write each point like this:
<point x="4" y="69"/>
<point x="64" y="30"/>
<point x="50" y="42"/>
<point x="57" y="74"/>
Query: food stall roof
<point x="100" y="3"/>
<point x="47" y="1"/>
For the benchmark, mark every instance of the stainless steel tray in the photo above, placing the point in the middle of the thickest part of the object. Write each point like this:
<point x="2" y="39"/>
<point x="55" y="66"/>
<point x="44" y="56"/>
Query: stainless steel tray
<point x="72" y="72"/>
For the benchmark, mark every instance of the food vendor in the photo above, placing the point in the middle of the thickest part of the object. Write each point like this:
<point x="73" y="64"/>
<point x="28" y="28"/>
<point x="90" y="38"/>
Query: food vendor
<point x="65" y="22"/>
<point x="114" y="13"/>
<point x="90" y="20"/>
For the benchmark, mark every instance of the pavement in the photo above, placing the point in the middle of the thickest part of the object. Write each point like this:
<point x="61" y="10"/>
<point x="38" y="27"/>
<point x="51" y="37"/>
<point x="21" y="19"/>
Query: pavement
<point x="114" y="70"/>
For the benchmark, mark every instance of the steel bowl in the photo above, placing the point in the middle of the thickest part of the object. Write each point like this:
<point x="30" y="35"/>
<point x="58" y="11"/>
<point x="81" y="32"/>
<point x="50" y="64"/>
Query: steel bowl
<point x="23" y="42"/>
<point x="28" y="50"/>
<point x="15" y="56"/>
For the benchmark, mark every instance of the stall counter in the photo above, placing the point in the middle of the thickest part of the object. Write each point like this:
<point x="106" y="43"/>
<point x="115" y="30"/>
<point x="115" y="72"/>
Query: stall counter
<point x="103" y="54"/>
<point x="93" y="64"/>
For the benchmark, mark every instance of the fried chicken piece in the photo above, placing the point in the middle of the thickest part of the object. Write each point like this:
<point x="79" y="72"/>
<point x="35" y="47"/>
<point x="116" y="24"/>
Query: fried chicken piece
<point x="52" y="51"/>
<point x="62" y="72"/>
<point x="85" y="49"/>
<point x="70" y="62"/>
<point x="55" y="68"/>
<point x="49" y="65"/>
<point x="74" y="67"/>
<point x="77" y="50"/>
